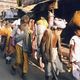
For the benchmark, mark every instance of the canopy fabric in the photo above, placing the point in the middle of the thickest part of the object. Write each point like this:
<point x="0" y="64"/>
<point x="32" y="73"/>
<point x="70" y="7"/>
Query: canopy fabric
<point x="27" y="8"/>
<point x="31" y="2"/>
<point x="28" y="5"/>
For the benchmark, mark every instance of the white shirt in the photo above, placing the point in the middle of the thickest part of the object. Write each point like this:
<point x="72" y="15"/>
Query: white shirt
<point x="75" y="41"/>
<point x="15" y="26"/>
<point x="20" y="32"/>
<point x="16" y="31"/>
<point x="16" y="22"/>
<point x="9" y="14"/>
<point x="41" y="29"/>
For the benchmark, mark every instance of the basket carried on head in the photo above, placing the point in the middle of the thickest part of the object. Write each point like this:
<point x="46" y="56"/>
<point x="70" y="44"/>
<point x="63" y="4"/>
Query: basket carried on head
<point x="76" y="18"/>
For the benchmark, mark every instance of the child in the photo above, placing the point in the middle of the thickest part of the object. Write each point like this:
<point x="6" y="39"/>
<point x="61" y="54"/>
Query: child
<point x="75" y="53"/>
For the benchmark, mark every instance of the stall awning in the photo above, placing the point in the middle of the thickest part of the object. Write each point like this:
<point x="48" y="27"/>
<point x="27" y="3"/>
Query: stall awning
<point x="27" y="8"/>
<point x="31" y="2"/>
<point x="28" y="5"/>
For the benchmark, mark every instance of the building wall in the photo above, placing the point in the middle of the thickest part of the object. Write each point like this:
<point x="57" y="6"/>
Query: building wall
<point x="7" y="4"/>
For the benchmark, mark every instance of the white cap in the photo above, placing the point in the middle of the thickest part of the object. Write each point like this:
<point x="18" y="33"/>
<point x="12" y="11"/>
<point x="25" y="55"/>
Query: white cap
<point x="60" y="23"/>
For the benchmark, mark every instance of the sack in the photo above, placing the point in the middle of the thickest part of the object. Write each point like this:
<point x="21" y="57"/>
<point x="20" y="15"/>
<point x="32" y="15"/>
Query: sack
<point x="76" y="18"/>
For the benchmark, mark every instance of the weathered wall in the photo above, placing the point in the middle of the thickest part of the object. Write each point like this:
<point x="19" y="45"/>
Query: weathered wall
<point x="6" y="4"/>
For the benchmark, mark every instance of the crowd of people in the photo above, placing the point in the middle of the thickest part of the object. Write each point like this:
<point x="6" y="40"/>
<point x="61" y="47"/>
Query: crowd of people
<point x="40" y="39"/>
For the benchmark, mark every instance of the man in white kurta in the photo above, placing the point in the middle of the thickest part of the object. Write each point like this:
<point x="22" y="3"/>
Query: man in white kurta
<point x="75" y="56"/>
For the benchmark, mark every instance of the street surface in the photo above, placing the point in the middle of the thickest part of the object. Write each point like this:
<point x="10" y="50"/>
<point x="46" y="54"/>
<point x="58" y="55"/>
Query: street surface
<point x="35" y="73"/>
<point x="5" y="72"/>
